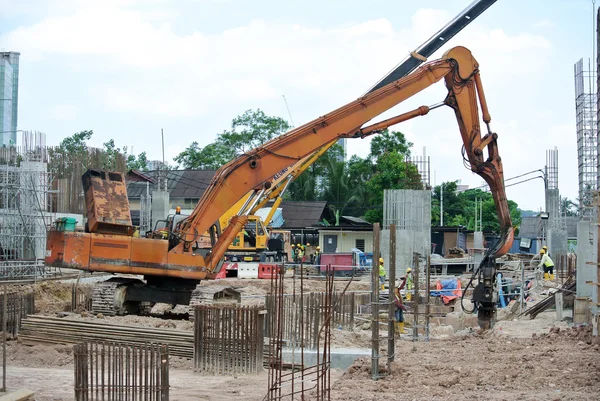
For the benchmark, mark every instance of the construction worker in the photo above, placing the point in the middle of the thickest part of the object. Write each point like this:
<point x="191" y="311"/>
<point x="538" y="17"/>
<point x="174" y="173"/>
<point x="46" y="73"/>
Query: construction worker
<point x="400" y="308"/>
<point x="317" y="253"/>
<point x="294" y="252"/>
<point x="547" y="264"/>
<point x="409" y="284"/>
<point x="300" y="251"/>
<point x="545" y="248"/>
<point x="381" y="273"/>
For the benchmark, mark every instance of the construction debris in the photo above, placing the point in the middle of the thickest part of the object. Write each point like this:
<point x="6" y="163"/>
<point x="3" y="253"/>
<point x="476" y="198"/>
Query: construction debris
<point x="569" y="287"/>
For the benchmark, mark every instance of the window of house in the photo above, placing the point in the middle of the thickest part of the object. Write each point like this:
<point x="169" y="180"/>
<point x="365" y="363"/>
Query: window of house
<point x="360" y="244"/>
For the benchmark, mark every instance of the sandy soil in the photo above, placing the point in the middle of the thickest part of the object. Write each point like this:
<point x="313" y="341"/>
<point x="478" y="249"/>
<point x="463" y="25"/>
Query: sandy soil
<point x="262" y="287"/>
<point x="563" y="365"/>
<point x="552" y="364"/>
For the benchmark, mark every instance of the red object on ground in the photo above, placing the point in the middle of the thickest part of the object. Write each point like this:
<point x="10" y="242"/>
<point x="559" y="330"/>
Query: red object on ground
<point x="267" y="270"/>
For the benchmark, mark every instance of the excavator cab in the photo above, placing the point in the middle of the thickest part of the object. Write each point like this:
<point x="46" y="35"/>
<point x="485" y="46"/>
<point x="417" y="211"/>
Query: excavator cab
<point x="253" y="237"/>
<point x="162" y="228"/>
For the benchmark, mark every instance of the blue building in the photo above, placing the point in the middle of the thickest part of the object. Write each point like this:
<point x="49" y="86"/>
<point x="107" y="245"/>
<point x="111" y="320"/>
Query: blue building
<point x="9" y="97"/>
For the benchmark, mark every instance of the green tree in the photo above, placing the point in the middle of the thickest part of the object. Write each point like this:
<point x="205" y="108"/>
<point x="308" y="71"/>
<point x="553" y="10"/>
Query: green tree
<point x="110" y="155"/>
<point x="460" y="208"/>
<point x="567" y="207"/>
<point x="389" y="142"/>
<point x="248" y="131"/>
<point x="139" y="163"/>
<point x="337" y="187"/>
<point x="210" y="157"/>
<point x="252" y="129"/>
<point x="391" y="172"/>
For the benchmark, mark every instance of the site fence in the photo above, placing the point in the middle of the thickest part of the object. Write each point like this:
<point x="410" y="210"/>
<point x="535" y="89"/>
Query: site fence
<point x="228" y="339"/>
<point x="18" y="306"/>
<point x="109" y="371"/>
<point x="27" y="270"/>
<point x="303" y="314"/>
<point x="81" y="298"/>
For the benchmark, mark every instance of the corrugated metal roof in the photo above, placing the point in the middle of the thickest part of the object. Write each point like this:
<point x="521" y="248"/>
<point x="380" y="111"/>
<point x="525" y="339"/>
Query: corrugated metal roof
<point x="302" y="214"/>
<point x="180" y="183"/>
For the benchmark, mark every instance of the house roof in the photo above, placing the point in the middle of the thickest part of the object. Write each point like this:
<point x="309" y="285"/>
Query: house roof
<point x="180" y="183"/>
<point x="302" y="214"/>
<point x="354" y="221"/>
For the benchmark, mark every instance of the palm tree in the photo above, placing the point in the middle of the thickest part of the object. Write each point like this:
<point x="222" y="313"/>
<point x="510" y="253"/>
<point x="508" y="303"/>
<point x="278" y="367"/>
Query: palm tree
<point x="338" y="189"/>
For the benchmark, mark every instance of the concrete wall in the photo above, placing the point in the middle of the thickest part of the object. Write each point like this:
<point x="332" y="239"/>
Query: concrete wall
<point x="346" y="240"/>
<point x="557" y="241"/>
<point x="160" y="206"/>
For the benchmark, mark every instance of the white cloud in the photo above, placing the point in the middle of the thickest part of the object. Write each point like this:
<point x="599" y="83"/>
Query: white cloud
<point x="133" y="64"/>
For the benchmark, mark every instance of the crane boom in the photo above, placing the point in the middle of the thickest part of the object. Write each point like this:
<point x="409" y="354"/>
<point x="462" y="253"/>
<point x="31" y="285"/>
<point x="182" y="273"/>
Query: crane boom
<point x="431" y="45"/>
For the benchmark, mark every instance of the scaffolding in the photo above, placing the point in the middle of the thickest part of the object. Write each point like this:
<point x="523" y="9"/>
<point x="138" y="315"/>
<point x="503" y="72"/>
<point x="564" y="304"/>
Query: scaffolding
<point x="24" y="210"/>
<point x="146" y="210"/>
<point x="587" y="145"/>
<point x="423" y="165"/>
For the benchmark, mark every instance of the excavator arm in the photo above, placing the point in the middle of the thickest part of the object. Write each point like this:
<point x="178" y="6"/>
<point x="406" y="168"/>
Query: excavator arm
<point x="255" y="170"/>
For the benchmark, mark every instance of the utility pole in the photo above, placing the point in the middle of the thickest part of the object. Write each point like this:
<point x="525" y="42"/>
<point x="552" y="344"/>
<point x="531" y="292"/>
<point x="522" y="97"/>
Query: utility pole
<point x="442" y="205"/>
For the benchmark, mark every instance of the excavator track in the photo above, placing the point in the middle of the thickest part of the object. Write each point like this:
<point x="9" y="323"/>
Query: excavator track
<point x="198" y="297"/>
<point x="108" y="297"/>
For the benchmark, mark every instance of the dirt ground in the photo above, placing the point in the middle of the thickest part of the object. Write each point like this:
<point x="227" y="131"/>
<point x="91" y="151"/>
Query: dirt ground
<point x="494" y="366"/>
<point x="523" y="359"/>
<point x="519" y="359"/>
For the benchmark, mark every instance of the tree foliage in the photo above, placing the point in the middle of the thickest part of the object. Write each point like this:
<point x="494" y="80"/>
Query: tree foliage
<point x="139" y="163"/>
<point x="568" y="207"/>
<point x="460" y="208"/>
<point x="248" y="131"/>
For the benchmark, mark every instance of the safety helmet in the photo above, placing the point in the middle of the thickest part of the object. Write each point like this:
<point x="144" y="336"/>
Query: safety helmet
<point x="380" y="260"/>
<point x="293" y="245"/>
<point x="299" y="245"/>
<point x="318" y="247"/>
<point x="409" y="270"/>
<point x="307" y="244"/>
<point x="542" y="251"/>
<point x="545" y="248"/>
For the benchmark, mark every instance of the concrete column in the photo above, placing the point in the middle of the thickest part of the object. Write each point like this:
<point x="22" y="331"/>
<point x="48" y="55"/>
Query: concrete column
<point x="586" y="252"/>
<point x="410" y="210"/>
<point x="160" y="206"/>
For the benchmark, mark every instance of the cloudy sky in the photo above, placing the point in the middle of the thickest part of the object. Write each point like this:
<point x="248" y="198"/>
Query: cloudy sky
<point x="127" y="68"/>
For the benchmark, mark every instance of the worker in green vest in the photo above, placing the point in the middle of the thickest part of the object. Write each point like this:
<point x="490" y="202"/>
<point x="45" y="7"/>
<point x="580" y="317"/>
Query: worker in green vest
<point x="381" y="273"/>
<point x="409" y="284"/>
<point x="548" y="265"/>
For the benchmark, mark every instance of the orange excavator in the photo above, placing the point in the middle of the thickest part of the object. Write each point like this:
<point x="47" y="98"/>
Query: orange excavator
<point x="172" y="269"/>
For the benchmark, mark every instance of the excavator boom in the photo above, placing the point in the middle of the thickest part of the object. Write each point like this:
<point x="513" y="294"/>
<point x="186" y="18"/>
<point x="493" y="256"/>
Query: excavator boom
<point x="254" y="170"/>
<point x="261" y="173"/>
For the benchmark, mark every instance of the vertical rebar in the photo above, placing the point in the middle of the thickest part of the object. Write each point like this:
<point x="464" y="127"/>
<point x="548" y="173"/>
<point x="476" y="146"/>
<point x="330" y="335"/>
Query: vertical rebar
<point x="391" y="307"/>
<point x="416" y="296"/>
<point x="375" y="305"/>
<point x="4" y="317"/>
<point x="427" y="297"/>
